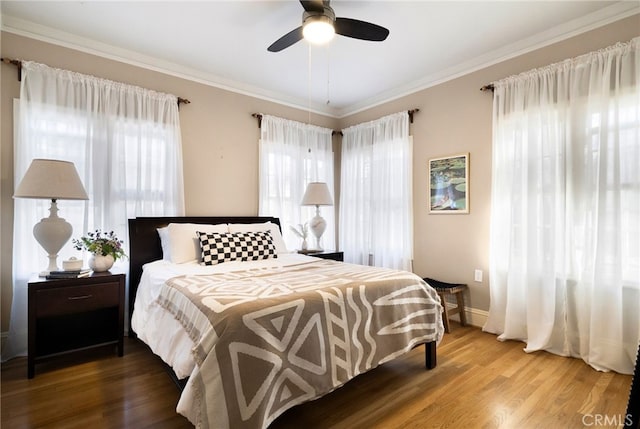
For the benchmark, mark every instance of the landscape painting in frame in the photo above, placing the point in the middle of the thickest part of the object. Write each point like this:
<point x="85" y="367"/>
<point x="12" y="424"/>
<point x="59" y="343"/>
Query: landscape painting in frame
<point x="449" y="184"/>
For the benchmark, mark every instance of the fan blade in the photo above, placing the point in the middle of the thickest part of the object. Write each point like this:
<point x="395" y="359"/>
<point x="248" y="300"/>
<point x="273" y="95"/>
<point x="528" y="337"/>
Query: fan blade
<point x="313" y="5"/>
<point x="287" y="40"/>
<point x="360" y="29"/>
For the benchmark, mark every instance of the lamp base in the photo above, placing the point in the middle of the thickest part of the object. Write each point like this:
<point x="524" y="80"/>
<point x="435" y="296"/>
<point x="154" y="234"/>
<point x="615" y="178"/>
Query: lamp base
<point x="52" y="233"/>
<point x="318" y="225"/>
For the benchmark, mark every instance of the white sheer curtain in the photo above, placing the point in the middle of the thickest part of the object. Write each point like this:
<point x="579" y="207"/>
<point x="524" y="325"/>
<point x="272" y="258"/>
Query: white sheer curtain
<point x="376" y="193"/>
<point x="292" y="154"/>
<point x="125" y="143"/>
<point x="565" y="216"/>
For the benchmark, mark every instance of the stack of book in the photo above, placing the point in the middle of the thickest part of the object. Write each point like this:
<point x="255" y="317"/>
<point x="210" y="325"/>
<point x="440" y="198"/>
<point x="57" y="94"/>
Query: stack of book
<point x="71" y="274"/>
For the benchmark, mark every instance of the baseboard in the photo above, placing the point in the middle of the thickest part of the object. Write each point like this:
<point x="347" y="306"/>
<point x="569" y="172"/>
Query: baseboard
<point x="474" y="316"/>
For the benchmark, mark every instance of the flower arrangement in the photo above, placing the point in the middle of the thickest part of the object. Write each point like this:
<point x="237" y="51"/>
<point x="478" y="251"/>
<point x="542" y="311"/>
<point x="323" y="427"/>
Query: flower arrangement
<point x="302" y="231"/>
<point x="101" y="243"/>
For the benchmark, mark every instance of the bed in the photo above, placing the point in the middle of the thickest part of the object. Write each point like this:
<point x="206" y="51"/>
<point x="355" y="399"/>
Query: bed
<point x="253" y="338"/>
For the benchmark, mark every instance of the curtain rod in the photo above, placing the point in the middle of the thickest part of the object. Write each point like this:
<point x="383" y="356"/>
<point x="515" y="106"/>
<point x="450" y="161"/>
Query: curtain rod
<point x="488" y="87"/>
<point x="258" y="116"/>
<point x="18" y="64"/>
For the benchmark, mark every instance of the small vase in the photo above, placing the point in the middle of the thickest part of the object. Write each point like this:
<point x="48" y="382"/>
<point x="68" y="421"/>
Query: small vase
<point x="100" y="263"/>
<point x="304" y="244"/>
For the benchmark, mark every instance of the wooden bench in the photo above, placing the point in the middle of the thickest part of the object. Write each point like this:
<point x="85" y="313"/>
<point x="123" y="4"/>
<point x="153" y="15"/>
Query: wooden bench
<point x="444" y="289"/>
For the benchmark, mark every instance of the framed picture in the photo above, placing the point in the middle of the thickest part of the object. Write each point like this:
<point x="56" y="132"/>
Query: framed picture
<point x="449" y="184"/>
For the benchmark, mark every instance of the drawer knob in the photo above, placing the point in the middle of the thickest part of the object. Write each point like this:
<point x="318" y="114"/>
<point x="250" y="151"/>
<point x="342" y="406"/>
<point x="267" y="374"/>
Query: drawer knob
<point x="73" y="298"/>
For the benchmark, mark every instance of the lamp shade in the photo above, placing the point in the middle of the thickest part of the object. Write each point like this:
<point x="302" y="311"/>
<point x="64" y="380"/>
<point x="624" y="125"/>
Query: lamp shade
<point x="51" y="179"/>
<point x="55" y="180"/>
<point x="317" y="194"/>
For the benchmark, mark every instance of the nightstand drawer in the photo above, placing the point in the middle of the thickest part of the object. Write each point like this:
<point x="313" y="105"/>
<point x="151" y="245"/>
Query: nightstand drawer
<point x="76" y="299"/>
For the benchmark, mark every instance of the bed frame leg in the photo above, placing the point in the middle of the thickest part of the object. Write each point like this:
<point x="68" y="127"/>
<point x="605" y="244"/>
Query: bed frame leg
<point x="430" y="360"/>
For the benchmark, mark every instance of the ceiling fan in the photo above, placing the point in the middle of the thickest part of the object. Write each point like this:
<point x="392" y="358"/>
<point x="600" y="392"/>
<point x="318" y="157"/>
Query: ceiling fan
<point x="319" y="24"/>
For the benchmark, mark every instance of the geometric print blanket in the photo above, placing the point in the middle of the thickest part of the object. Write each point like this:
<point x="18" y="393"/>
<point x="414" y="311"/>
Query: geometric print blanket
<point x="286" y="335"/>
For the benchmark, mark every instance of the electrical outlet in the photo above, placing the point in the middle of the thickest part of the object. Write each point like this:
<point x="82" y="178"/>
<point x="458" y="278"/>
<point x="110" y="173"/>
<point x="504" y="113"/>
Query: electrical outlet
<point x="477" y="276"/>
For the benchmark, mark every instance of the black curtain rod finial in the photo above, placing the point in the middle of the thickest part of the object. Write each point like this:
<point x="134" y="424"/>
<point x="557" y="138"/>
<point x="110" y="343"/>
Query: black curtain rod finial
<point x="258" y="116"/>
<point x="16" y="63"/>
<point x="411" y="112"/>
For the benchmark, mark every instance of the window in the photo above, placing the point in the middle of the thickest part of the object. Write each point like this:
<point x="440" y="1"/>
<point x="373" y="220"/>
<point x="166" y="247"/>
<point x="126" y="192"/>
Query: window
<point x="125" y="144"/>
<point x="293" y="154"/>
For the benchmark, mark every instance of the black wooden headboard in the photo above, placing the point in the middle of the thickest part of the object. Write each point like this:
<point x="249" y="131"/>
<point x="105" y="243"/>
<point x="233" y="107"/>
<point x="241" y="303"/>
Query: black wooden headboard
<point x="144" y="242"/>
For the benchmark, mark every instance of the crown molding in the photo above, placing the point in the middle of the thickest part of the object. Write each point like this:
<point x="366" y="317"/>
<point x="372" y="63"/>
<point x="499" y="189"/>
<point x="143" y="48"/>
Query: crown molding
<point x="608" y="15"/>
<point x="569" y="29"/>
<point x="46" y="34"/>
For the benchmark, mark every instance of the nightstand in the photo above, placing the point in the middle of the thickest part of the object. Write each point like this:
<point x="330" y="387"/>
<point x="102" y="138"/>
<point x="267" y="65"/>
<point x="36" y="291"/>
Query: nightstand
<point x="324" y="254"/>
<point x="70" y="315"/>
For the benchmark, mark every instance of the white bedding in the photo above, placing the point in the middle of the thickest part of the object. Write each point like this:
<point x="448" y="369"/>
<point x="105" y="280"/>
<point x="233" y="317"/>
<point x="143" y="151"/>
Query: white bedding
<point x="165" y="335"/>
<point x="180" y="344"/>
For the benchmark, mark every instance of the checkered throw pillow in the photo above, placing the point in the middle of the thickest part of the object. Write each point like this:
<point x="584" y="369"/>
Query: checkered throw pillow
<point x="236" y="246"/>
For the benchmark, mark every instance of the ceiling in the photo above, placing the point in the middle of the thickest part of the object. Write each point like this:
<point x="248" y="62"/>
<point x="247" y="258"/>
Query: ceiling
<point x="224" y="43"/>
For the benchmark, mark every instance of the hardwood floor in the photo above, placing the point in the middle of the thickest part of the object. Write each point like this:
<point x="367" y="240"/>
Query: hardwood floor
<point x="479" y="383"/>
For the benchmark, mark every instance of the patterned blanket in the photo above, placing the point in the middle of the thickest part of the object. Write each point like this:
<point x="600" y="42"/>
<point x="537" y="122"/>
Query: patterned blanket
<point x="283" y="336"/>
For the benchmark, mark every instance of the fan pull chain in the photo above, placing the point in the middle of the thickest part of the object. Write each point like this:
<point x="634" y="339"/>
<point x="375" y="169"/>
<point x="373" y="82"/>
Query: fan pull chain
<point x="328" y="72"/>
<point x="309" y="87"/>
<point x="309" y="95"/>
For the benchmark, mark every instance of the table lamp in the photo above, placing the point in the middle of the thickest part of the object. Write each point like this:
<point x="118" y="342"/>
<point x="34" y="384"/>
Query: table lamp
<point x="317" y="194"/>
<point x="56" y="180"/>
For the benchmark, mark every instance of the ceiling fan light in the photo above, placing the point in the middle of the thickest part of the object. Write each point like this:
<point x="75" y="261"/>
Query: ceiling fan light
<point x="318" y="30"/>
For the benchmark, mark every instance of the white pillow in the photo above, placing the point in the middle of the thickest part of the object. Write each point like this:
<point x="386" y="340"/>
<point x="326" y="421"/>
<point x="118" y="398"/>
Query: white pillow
<point x="165" y="243"/>
<point x="278" y="241"/>
<point x="184" y="242"/>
